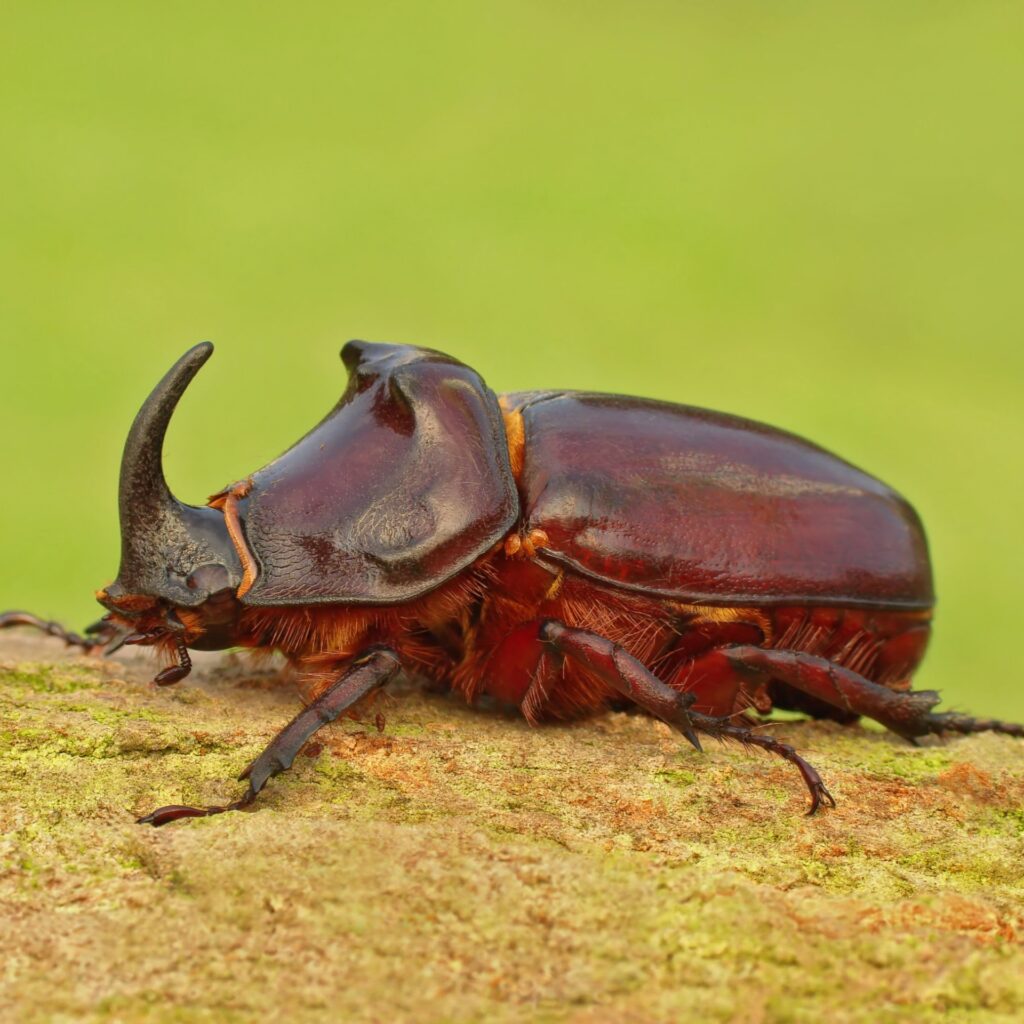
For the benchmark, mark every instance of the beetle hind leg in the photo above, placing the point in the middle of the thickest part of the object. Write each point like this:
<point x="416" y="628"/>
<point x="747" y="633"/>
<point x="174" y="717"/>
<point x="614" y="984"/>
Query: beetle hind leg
<point x="910" y="714"/>
<point x="954" y="721"/>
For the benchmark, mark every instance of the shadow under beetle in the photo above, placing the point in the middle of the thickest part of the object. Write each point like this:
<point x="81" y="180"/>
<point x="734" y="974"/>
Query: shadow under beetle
<point x="561" y="551"/>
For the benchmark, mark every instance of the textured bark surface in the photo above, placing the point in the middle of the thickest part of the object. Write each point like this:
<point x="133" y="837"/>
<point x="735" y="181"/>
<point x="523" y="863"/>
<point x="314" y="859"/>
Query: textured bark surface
<point x="461" y="866"/>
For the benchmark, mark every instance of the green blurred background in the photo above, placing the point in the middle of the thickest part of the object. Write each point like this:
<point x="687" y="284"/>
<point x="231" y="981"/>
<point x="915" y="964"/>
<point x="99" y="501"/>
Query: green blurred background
<point x="805" y="213"/>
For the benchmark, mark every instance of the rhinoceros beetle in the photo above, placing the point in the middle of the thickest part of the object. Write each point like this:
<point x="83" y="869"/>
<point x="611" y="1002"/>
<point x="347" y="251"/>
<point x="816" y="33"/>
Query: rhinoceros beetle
<point x="560" y="551"/>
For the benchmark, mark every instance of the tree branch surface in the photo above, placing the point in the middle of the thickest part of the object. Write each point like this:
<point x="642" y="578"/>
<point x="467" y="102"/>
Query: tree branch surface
<point x="461" y="866"/>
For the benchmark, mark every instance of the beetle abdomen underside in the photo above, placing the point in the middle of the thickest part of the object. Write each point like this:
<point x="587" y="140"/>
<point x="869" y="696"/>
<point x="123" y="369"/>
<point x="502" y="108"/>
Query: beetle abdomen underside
<point x="701" y="506"/>
<point x="684" y="645"/>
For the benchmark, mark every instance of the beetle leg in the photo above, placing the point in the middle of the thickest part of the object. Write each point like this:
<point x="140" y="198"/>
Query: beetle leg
<point x="908" y="714"/>
<point x="630" y="677"/>
<point x="108" y="635"/>
<point x="725" y="728"/>
<point x="97" y="635"/>
<point x="373" y="669"/>
<point x="619" y="669"/>
<point x="954" y="721"/>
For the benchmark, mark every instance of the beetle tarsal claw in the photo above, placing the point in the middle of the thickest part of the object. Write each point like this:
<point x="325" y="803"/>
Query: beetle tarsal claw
<point x="820" y="795"/>
<point x="682" y="722"/>
<point x="691" y="734"/>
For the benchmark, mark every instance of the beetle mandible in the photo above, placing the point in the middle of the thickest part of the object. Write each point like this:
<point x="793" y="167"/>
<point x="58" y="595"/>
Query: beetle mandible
<point x="560" y="551"/>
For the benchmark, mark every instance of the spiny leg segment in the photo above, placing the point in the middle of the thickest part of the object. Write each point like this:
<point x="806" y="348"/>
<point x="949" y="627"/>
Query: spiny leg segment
<point x="630" y="677"/>
<point x="104" y="637"/>
<point x="97" y="635"/>
<point x="724" y="728"/>
<point x="908" y="714"/>
<point x="372" y="669"/>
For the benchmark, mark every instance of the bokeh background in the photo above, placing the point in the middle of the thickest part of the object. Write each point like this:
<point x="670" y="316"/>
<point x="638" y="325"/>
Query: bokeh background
<point x="809" y="214"/>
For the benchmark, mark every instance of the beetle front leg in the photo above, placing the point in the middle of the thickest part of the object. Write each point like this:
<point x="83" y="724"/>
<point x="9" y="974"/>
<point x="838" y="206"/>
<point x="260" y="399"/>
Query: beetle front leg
<point x="371" y="670"/>
<point x="99" y="634"/>
<point x="8" y="620"/>
<point x="620" y="670"/>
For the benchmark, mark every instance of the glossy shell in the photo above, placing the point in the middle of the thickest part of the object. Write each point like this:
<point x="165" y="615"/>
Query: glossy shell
<point x="705" y="507"/>
<point x="405" y="483"/>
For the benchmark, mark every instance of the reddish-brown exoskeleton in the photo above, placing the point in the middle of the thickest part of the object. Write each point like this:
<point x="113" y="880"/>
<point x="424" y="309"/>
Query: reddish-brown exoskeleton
<point x="559" y="551"/>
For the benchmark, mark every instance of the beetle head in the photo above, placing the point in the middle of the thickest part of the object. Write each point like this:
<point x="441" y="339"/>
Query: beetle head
<point x="171" y="553"/>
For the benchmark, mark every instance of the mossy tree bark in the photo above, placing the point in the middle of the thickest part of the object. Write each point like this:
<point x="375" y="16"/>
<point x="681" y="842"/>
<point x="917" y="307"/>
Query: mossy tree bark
<point x="461" y="866"/>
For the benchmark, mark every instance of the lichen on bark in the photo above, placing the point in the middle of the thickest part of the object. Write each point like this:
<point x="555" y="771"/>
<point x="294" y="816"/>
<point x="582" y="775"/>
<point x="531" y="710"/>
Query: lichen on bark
<point x="461" y="866"/>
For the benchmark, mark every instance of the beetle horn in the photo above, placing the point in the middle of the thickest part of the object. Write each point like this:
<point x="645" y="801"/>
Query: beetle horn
<point x="162" y="539"/>
<point x="144" y="494"/>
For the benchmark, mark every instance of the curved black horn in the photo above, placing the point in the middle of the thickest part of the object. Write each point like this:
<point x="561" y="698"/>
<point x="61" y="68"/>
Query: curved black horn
<point x="162" y="540"/>
<point x="144" y="494"/>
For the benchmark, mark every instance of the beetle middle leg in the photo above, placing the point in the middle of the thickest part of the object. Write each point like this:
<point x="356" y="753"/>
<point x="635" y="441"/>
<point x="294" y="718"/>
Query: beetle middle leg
<point x="624" y="673"/>
<point x="371" y="670"/>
